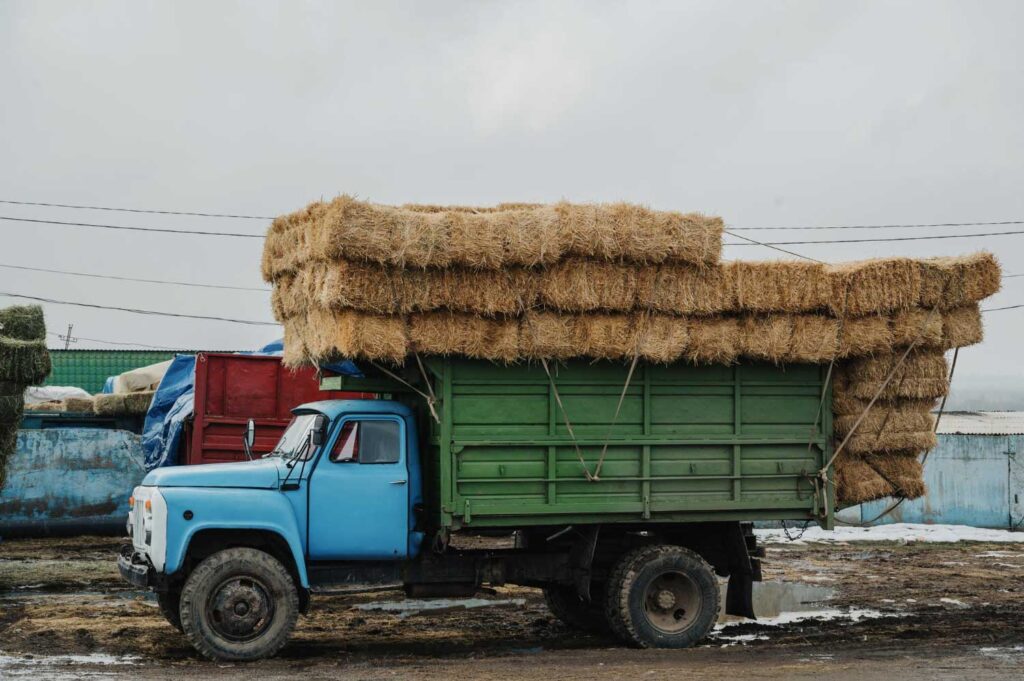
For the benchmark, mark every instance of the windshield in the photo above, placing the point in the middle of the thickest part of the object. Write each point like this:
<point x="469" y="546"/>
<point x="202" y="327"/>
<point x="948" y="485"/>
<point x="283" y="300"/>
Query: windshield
<point x="295" y="441"/>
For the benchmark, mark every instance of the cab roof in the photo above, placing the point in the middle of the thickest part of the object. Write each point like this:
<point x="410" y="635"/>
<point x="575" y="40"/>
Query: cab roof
<point x="334" y="408"/>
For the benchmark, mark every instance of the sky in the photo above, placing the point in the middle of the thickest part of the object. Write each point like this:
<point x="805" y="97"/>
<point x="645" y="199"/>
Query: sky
<point x="766" y="113"/>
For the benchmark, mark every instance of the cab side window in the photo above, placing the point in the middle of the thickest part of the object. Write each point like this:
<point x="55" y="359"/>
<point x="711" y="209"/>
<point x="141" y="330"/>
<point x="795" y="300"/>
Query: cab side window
<point x="367" y="442"/>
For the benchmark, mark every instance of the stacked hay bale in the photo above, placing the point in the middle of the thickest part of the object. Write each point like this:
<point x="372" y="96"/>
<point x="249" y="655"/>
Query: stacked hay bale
<point x="526" y="282"/>
<point x="123" y="404"/>
<point x="24" y="361"/>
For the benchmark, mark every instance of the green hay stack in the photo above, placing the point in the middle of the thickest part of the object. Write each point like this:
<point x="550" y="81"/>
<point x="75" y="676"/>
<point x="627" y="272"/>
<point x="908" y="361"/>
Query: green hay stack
<point x="24" y="361"/>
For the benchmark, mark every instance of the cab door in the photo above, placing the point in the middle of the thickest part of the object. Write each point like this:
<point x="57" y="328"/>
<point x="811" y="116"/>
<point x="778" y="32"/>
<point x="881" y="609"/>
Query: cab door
<point x="359" y="492"/>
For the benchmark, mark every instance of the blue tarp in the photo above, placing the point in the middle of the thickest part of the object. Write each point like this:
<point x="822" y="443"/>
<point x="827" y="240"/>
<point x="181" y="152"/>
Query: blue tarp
<point x="173" y="403"/>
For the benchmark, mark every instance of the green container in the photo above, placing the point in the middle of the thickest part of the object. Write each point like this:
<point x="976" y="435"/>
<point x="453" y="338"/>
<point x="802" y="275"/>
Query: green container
<point x="690" y="443"/>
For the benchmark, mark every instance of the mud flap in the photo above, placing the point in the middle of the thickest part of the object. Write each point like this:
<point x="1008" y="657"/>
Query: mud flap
<point x="744" y="570"/>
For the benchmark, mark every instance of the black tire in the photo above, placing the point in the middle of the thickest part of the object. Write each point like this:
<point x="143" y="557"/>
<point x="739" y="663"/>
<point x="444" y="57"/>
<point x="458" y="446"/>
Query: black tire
<point x="662" y="597"/>
<point x="565" y="604"/>
<point x="239" y="604"/>
<point x="170" y="607"/>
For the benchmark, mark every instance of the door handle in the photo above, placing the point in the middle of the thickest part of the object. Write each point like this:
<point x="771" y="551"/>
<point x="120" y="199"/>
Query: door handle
<point x="398" y="482"/>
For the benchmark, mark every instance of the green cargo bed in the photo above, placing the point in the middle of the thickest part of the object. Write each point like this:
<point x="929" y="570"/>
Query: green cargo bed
<point x="690" y="443"/>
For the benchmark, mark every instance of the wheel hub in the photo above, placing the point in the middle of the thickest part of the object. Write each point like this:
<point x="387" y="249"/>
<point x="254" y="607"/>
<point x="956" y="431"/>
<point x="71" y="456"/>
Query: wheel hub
<point x="240" y="609"/>
<point x="672" y="602"/>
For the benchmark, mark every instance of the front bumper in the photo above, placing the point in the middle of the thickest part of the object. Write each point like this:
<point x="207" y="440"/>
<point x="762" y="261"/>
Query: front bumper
<point x="135" y="568"/>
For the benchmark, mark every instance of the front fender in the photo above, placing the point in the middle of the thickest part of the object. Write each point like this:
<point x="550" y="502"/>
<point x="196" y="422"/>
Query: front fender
<point x="229" y="509"/>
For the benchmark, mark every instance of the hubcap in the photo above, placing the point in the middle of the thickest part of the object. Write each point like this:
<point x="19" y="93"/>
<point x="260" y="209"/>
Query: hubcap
<point x="240" y="609"/>
<point x="672" y="602"/>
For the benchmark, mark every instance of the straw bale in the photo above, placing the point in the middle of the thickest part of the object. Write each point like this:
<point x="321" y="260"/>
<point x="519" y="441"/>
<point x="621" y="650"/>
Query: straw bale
<point x="49" y="406"/>
<point x="857" y="482"/>
<point x="78" y="404"/>
<point x="794" y="286"/>
<point x="662" y="339"/>
<point x="962" y="327"/>
<point x="550" y="336"/>
<point x="869" y="286"/>
<point x="846" y="405"/>
<point x="524" y="235"/>
<point x="23" y="322"/>
<point x="766" y="337"/>
<point x="815" y="338"/>
<point x="582" y="285"/>
<point x="323" y="334"/>
<point x="448" y="333"/>
<point x="713" y="340"/>
<point x="681" y="289"/>
<point x="922" y="376"/>
<point x="904" y="472"/>
<point x="917" y="327"/>
<point x="895" y="429"/>
<point x="957" y="281"/>
<point x="865" y="335"/>
<point x="11" y="408"/>
<point x="121" y="404"/>
<point x="25" y="362"/>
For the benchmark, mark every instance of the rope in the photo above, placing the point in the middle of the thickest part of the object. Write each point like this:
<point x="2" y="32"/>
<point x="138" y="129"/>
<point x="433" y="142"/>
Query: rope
<point x="429" y="398"/>
<point x="615" y="417"/>
<point x="568" y="424"/>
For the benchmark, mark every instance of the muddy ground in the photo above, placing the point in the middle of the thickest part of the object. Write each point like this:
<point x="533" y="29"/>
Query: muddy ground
<point x="862" y="610"/>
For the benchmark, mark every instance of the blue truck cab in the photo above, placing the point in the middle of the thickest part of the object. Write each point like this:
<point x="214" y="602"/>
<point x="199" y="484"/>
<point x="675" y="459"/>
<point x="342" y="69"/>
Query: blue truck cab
<point x="343" y="484"/>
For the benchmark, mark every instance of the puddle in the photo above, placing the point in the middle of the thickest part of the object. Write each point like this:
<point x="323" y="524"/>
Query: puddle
<point x="772" y="599"/>
<point x="411" y="607"/>
<point x="54" y="666"/>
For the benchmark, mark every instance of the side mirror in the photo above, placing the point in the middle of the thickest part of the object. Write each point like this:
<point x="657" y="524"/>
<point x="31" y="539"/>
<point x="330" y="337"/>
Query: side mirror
<point x="249" y="438"/>
<point x="319" y="432"/>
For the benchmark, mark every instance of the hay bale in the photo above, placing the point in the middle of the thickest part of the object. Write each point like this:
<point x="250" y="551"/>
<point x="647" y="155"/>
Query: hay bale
<point x="23" y="322"/>
<point x="52" y="406"/>
<point x="121" y="404"/>
<point x="23" y="361"/>
<point x="467" y="335"/>
<point x="713" y="340"/>
<point x="922" y="376"/>
<point x="79" y="404"/>
<point x="956" y="282"/>
<point x="903" y="472"/>
<point x="962" y="326"/>
<point x="11" y="408"/>
<point x="795" y="286"/>
<point x="856" y="482"/>
<point x="873" y="286"/>
<point x="493" y="238"/>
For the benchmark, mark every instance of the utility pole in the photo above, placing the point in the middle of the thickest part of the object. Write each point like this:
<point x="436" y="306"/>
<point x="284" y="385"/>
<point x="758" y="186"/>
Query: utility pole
<point x="68" y="339"/>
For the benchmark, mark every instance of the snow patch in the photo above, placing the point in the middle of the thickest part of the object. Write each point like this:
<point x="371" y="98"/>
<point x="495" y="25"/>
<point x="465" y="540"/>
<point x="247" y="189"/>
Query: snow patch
<point x="896" y="532"/>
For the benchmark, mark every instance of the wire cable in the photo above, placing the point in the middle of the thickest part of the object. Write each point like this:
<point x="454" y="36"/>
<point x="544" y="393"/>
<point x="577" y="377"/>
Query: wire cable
<point x="132" y="229"/>
<point x="136" y="210"/>
<point x="145" y="281"/>
<point x="110" y="342"/>
<point x="908" y="226"/>
<point x="879" y="240"/>
<point x="157" y="313"/>
<point x="755" y="242"/>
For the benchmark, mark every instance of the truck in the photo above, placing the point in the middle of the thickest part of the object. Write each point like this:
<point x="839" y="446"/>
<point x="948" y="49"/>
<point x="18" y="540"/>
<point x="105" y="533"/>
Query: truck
<point x="624" y="492"/>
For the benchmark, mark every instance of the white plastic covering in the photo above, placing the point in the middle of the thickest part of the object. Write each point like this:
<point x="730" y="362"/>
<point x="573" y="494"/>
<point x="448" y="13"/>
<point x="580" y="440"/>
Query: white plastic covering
<point x="143" y="378"/>
<point x="52" y="393"/>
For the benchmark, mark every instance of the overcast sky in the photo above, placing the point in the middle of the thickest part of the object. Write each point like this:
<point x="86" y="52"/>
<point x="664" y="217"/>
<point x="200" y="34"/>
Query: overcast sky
<point x="766" y="113"/>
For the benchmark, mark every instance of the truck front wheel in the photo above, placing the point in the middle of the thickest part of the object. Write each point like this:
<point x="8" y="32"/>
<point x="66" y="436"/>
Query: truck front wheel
<point x="565" y="604"/>
<point x="662" y="597"/>
<point x="239" y="604"/>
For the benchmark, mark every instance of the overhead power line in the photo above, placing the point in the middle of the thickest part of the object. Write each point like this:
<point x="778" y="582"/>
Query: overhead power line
<point x="145" y="281"/>
<point x="136" y="210"/>
<point x="1006" y="307"/>
<point x="895" y="226"/>
<point x="250" y="322"/>
<point x="110" y="342"/>
<point x="879" y="240"/>
<point x="755" y="242"/>
<point x="132" y="229"/>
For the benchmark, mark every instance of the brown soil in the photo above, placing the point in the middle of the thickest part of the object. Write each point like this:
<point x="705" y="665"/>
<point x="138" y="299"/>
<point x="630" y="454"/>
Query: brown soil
<point x="64" y="597"/>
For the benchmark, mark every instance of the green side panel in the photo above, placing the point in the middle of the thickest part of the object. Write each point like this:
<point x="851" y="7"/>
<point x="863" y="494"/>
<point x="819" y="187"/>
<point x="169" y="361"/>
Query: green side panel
<point x="89" y="369"/>
<point x="685" y="443"/>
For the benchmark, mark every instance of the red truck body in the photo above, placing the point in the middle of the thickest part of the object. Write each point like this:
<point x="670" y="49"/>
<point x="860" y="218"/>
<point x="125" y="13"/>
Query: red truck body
<point x="231" y="389"/>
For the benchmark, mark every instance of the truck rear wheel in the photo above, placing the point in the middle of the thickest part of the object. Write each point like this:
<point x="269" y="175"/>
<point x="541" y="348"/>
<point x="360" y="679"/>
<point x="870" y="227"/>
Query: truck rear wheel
<point x="170" y="607"/>
<point x="662" y="597"/>
<point x="239" y="604"/>
<point x="565" y="604"/>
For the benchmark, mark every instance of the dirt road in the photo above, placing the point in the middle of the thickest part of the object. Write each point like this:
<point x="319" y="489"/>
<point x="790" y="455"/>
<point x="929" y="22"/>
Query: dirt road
<point x="844" y="611"/>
